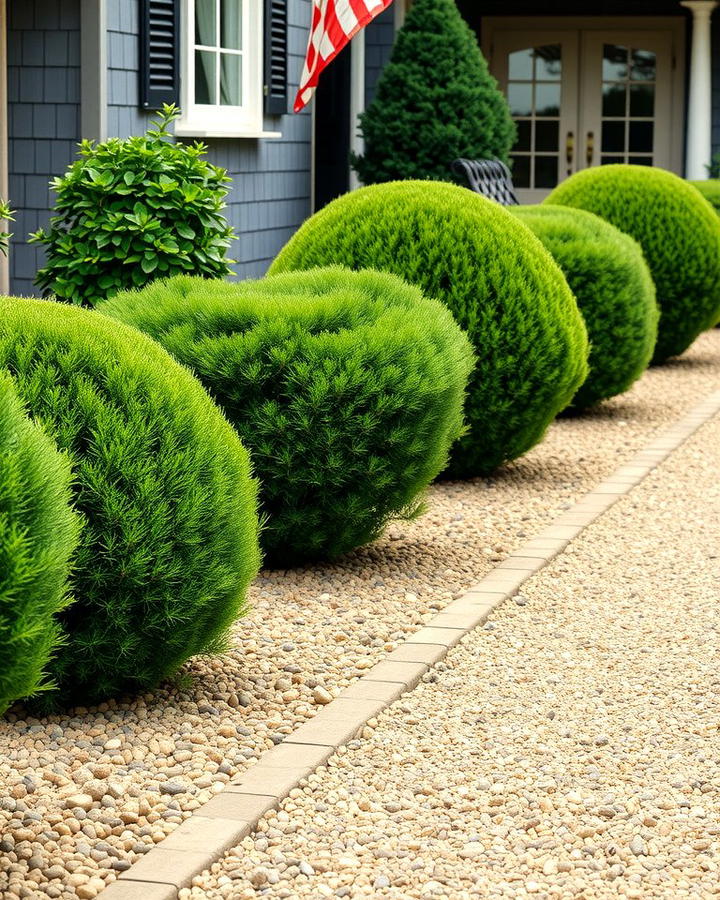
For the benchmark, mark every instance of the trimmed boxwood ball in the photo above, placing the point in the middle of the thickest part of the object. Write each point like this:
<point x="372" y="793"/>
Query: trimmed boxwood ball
<point x="679" y="236"/>
<point x="496" y="278"/>
<point x="38" y="536"/>
<point x="609" y="277"/>
<point x="346" y="387"/>
<point x="710" y="190"/>
<point x="169" y="541"/>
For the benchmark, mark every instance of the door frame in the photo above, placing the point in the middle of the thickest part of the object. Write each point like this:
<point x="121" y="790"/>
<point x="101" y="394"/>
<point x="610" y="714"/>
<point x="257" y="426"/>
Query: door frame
<point x="676" y="25"/>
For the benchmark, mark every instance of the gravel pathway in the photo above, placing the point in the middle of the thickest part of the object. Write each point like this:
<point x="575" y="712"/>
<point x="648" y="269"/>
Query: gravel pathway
<point x="569" y="748"/>
<point x="83" y="795"/>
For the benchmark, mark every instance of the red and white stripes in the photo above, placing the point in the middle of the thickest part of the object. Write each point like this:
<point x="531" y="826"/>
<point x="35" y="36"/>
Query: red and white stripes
<point x="334" y="24"/>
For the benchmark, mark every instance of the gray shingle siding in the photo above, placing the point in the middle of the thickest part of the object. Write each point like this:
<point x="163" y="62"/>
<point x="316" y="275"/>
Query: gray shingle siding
<point x="379" y="40"/>
<point x="270" y="192"/>
<point x="43" y="117"/>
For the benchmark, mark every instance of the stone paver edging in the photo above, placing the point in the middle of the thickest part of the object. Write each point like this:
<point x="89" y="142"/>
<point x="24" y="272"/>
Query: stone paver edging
<point x="228" y="817"/>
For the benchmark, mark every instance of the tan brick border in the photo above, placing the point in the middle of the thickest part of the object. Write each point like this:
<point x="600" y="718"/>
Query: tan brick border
<point x="223" y="821"/>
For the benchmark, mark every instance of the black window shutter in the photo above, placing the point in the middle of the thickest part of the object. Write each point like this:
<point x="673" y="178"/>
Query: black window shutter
<point x="276" y="61"/>
<point x="159" y="52"/>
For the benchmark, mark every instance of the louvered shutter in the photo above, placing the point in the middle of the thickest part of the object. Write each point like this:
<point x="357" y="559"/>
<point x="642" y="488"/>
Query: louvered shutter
<point x="159" y="52"/>
<point x="276" y="61"/>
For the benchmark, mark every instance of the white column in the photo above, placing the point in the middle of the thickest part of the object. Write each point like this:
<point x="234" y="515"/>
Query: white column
<point x="400" y="7"/>
<point x="357" y="99"/>
<point x="700" y="95"/>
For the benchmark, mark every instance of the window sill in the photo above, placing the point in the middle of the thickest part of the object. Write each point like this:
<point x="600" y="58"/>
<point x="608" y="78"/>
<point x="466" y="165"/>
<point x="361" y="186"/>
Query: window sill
<point x="187" y="130"/>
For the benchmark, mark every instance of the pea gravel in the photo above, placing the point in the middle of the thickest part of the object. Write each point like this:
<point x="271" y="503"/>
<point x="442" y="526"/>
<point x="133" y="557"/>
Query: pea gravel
<point x="569" y="748"/>
<point x="85" y="794"/>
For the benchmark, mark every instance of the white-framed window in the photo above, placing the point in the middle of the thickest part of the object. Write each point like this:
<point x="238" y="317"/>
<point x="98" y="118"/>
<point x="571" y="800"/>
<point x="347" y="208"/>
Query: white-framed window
<point x="221" y="69"/>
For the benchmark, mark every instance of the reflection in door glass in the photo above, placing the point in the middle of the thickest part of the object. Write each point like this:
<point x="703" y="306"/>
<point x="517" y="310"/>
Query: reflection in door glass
<point x="628" y="104"/>
<point x="534" y="96"/>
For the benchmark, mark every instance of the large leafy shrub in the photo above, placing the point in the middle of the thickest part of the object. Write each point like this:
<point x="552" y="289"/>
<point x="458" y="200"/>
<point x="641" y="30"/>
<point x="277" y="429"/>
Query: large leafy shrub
<point x="435" y="101"/>
<point x="611" y="282"/>
<point x="497" y="279"/>
<point x="38" y="535"/>
<point x="710" y="190"/>
<point x="169" y="542"/>
<point x="132" y="210"/>
<point x="679" y="236"/>
<point x="346" y="387"/>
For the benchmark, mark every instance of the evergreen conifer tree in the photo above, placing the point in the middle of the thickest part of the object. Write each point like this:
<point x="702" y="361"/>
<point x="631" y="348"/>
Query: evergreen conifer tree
<point x="435" y="101"/>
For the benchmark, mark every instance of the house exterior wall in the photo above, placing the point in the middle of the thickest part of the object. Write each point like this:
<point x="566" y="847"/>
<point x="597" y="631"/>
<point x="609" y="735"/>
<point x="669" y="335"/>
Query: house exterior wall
<point x="379" y="40"/>
<point x="716" y="83"/>
<point x="43" y="118"/>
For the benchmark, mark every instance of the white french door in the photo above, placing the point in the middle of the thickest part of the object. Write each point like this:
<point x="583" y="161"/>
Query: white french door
<point x="587" y="92"/>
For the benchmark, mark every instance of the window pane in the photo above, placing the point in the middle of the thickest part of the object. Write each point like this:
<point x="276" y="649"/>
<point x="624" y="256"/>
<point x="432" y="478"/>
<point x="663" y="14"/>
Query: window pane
<point x="547" y="135"/>
<point x="230" y="75"/>
<point x="547" y="99"/>
<point x="641" y="137"/>
<point x="520" y="99"/>
<point x="613" y="100"/>
<point x="521" y="171"/>
<point x="615" y="59"/>
<point x="549" y="64"/>
<point x="640" y="160"/>
<point x="613" y="137"/>
<point x="231" y="24"/>
<point x="205" y="62"/>
<point x="520" y="65"/>
<point x="643" y="66"/>
<point x="205" y="24"/>
<point x="642" y="100"/>
<point x="611" y="160"/>
<point x="546" y="171"/>
<point x="523" y="136"/>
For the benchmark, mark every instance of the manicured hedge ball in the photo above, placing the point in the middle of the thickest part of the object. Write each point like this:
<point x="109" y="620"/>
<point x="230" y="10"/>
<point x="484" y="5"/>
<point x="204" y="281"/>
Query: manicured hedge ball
<point x="346" y="387"/>
<point x="38" y="536"/>
<point x="169" y="541"/>
<point x="609" y="277"/>
<point x="496" y="278"/>
<point x="710" y="190"/>
<point x="679" y="236"/>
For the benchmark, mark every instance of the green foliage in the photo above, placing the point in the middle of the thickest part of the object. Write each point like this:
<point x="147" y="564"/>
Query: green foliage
<point x="611" y="282"/>
<point x="679" y="236"/>
<point x="169" y="542"/>
<point x="6" y="215"/>
<point x="710" y="190"/>
<point x="129" y="211"/>
<point x="346" y="387"/>
<point x="435" y="101"/>
<point x="495" y="277"/>
<point x="38" y="535"/>
<point x="713" y="169"/>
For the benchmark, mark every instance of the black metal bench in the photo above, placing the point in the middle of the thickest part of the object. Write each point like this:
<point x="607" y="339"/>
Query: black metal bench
<point x="489" y="177"/>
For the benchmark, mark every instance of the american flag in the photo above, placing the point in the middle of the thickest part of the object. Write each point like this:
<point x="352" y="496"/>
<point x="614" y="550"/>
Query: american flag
<point x="334" y="24"/>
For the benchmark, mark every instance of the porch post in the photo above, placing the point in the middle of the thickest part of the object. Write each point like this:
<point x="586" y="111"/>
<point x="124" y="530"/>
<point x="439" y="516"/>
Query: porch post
<point x="4" y="265"/>
<point x="357" y="99"/>
<point x="699" y="139"/>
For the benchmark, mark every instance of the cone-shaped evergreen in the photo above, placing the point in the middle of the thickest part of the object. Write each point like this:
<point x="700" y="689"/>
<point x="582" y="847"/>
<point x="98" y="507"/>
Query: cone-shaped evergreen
<point x="435" y="102"/>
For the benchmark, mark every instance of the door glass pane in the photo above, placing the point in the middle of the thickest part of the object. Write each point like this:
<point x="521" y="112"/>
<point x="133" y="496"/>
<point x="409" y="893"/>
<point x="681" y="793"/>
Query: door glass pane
<point x="230" y="77"/>
<point x="521" y="171"/>
<point x="614" y="97"/>
<point x="205" y="24"/>
<point x="230" y="24"/>
<point x="548" y="65"/>
<point x="546" y="171"/>
<point x="547" y="136"/>
<point x="612" y="160"/>
<point x="615" y="62"/>
<point x="520" y="65"/>
<point x="644" y="66"/>
<point x="524" y="130"/>
<point x="640" y="160"/>
<point x="642" y="100"/>
<point x="205" y="62"/>
<point x="520" y="99"/>
<point x="613" y="137"/>
<point x="547" y="99"/>
<point x="641" y="137"/>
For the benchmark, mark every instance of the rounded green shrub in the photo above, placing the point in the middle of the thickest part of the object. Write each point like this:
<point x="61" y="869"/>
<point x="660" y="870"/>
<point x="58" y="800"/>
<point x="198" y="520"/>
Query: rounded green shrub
<point x="38" y="536"/>
<point x="496" y="278"/>
<point x="710" y="190"/>
<point x="346" y="387"/>
<point x="609" y="277"/>
<point x="679" y="236"/>
<point x="169" y="542"/>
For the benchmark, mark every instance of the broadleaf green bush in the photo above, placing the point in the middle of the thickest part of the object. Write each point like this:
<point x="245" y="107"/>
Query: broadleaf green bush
<point x="710" y="190"/>
<point x="6" y="215"/>
<point x="169" y="541"/>
<point x="435" y="101"/>
<point x="132" y="210"/>
<point x="496" y="278"/>
<point x="38" y="536"/>
<point x="608" y="275"/>
<point x="347" y="388"/>
<point x="679" y="236"/>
